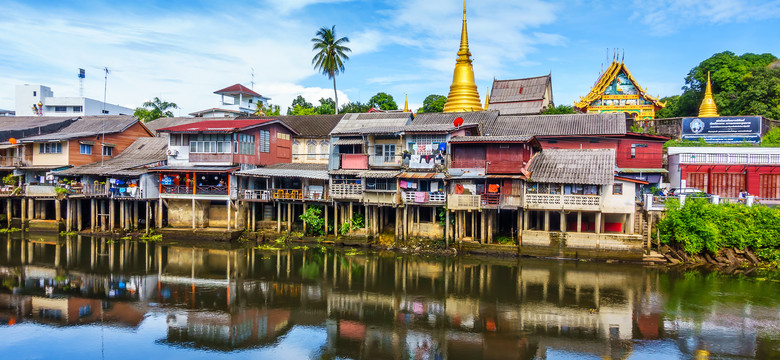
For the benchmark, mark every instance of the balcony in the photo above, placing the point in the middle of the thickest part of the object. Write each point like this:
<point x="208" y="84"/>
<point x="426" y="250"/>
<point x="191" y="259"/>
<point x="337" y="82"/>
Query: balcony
<point x="423" y="197"/>
<point x="490" y="200"/>
<point x="346" y="191"/>
<point x="13" y="161"/>
<point x="262" y="195"/>
<point x="354" y="161"/>
<point x="463" y="202"/>
<point x="386" y="161"/>
<point x="11" y="190"/>
<point x="381" y="197"/>
<point x="91" y="190"/>
<point x="560" y="202"/>
<point x="198" y="190"/>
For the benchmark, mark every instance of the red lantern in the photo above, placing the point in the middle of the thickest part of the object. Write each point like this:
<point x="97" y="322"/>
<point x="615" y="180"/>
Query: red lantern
<point x="458" y="122"/>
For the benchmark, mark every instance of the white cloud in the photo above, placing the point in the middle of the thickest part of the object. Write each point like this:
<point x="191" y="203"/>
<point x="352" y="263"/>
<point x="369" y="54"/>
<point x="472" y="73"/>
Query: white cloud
<point x="287" y="6"/>
<point x="665" y="17"/>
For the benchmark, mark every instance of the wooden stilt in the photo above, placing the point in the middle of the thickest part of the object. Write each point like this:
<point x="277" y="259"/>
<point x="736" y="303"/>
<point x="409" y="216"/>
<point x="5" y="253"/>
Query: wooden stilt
<point x="336" y="219"/>
<point x="289" y="218"/>
<point x="102" y="216"/>
<point x="79" y="216"/>
<point x="147" y="208"/>
<point x="136" y="220"/>
<point x="446" y="228"/>
<point x="229" y="205"/>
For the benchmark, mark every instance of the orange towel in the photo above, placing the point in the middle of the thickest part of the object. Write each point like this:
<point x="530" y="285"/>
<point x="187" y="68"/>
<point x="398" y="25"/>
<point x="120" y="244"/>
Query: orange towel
<point x="493" y="188"/>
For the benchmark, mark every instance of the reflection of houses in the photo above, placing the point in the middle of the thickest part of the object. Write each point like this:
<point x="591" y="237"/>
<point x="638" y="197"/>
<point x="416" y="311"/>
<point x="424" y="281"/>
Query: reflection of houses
<point x="201" y="158"/>
<point x="227" y="331"/>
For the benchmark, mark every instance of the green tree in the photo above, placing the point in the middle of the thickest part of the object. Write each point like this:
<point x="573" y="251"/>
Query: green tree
<point x="270" y="110"/>
<point x="331" y="54"/>
<point x="383" y="101"/>
<point x="154" y="109"/>
<point x="433" y="103"/>
<point x="300" y="110"/>
<point x="771" y="138"/>
<point x="354" y="107"/>
<point x="299" y="102"/>
<point x="560" y="109"/>
<point x="740" y="83"/>
<point x="327" y="106"/>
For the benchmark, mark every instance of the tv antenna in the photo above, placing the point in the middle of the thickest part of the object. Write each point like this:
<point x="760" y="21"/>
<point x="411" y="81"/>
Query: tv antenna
<point x="252" y="84"/>
<point x="103" y="113"/>
<point x="82" y="75"/>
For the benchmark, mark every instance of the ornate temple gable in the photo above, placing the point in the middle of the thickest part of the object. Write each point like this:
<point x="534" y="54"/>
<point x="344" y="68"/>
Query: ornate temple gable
<point x="616" y="90"/>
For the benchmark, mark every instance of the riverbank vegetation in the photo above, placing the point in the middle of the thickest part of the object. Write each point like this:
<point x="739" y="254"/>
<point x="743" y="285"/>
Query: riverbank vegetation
<point x="700" y="227"/>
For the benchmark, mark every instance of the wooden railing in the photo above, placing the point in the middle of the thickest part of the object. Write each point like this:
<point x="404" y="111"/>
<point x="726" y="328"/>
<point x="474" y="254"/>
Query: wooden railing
<point x="346" y="191"/>
<point x="490" y="199"/>
<point x="422" y="197"/>
<point x="256" y="195"/>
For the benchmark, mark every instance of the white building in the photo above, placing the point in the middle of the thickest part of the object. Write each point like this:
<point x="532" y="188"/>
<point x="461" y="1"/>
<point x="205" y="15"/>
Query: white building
<point x="4" y="112"/>
<point x="30" y="98"/>
<point x="235" y="100"/>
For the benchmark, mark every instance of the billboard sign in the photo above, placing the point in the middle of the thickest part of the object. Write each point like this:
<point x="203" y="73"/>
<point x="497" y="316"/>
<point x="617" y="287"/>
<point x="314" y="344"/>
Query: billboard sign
<point x="723" y="129"/>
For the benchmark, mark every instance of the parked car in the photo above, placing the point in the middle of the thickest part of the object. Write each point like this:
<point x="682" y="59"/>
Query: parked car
<point x="690" y="192"/>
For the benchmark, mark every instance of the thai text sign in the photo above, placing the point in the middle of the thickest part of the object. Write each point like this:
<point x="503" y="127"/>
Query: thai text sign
<point x="723" y="129"/>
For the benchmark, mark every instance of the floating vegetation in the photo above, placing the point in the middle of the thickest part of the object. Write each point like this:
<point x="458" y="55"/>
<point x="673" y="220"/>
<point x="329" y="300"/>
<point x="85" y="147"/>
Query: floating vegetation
<point x="353" y="252"/>
<point x="9" y="230"/>
<point x="151" y="236"/>
<point x="267" y="247"/>
<point x="302" y="247"/>
<point x="67" y="233"/>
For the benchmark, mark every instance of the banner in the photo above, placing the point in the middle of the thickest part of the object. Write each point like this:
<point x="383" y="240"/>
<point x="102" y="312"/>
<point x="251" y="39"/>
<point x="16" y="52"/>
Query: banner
<point x="723" y="129"/>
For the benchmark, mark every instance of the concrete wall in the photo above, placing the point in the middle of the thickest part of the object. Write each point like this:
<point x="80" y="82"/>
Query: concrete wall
<point x="582" y="245"/>
<point x="50" y="159"/>
<point x="619" y="203"/>
<point x="180" y="213"/>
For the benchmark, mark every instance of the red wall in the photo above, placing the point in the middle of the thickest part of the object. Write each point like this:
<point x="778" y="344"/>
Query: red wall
<point x="280" y="148"/>
<point x="650" y="156"/>
<point x="752" y="177"/>
<point x="500" y="158"/>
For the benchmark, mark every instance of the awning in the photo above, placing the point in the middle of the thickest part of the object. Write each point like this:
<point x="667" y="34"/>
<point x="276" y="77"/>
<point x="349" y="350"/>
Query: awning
<point x="8" y="146"/>
<point x="421" y="175"/>
<point x="379" y="174"/>
<point x="513" y="177"/>
<point x="348" y="142"/>
<point x="201" y="169"/>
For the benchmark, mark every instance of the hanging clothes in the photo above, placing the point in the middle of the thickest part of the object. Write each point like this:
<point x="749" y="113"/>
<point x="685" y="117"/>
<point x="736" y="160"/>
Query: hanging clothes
<point x="459" y="189"/>
<point x="443" y="147"/>
<point x="404" y="184"/>
<point x="492" y="188"/>
<point x="419" y="197"/>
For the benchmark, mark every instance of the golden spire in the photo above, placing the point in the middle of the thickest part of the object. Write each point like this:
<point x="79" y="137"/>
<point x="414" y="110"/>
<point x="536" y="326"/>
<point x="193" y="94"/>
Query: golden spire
<point x="487" y="98"/>
<point x="463" y="94"/>
<point x="406" y="103"/>
<point x="708" y="107"/>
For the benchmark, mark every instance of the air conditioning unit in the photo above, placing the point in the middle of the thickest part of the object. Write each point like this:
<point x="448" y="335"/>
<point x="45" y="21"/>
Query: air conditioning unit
<point x="173" y="152"/>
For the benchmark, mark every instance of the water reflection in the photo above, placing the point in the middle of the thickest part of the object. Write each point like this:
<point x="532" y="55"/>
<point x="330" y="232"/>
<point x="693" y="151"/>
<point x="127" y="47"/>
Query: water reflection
<point x="226" y="299"/>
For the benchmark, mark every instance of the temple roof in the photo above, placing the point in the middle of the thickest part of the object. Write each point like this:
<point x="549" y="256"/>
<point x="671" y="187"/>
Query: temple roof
<point x="606" y="79"/>
<point x="520" y="96"/>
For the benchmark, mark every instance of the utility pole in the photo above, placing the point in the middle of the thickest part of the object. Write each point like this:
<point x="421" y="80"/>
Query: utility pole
<point x="103" y="114"/>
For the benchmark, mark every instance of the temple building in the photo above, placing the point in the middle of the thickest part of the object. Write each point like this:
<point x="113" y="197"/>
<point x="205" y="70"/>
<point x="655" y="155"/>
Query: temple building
<point x="463" y="94"/>
<point x="529" y="96"/>
<point x="617" y="91"/>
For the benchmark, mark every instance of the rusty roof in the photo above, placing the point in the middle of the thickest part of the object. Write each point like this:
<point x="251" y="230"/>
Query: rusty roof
<point x="302" y="170"/>
<point x="352" y="123"/>
<point x="558" y="125"/>
<point x="86" y="126"/>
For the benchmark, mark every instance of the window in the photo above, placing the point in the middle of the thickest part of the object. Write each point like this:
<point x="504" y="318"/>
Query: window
<point x="179" y="140"/>
<point x="617" y="189"/>
<point x="60" y="108"/>
<point x="105" y="111"/>
<point x="384" y="153"/>
<point x="246" y="144"/>
<point x="108" y="151"/>
<point x="311" y="150"/>
<point x="381" y="184"/>
<point x="35" y="93"/>
<point x="50" y="148"/>
<point x="283" y="136"/>
<point x="324" y="149"/>
<point x="296" y="149"/>
<point x="85" y="149"/>
<point x="265" y="141"/>
<point x="425" y="144"/>
<point x="78" y="109"/>
<point x="210" y="144"/>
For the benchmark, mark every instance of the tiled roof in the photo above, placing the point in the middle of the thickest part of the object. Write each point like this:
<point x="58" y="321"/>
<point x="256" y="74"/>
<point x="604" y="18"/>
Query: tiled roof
<point x="309" y="126"/>
<point x="519" y="108"/>
<point x="481" y="118"/>
<point x="24" y="126"/>
<point x="307" y="171"/>
<point x="220" y="126"/>
<point x="573" y="166"/>
<point x="130" y="162"/>
<point x="166" y="122"/>
<point x="348" y="141"/>
<point x="505" y="138"/>
<point x="238" y="89"/>
<point x="509" y="90"/>
<point x="87" y="126"/>
<point x="558" y="125"/>
<point x="353" y="122"/>
<point x="379" y="174"/>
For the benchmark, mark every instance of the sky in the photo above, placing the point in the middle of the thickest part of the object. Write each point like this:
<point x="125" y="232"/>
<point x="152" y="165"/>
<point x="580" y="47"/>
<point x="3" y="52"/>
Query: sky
<point x="183" y="51"/>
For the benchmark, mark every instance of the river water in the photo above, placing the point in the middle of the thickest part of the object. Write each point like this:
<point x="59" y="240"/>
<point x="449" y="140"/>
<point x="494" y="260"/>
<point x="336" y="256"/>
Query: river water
<point x="80" y="297"/>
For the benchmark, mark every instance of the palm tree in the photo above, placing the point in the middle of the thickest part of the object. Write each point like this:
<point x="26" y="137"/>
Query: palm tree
<point x="155" y="109"/>
<point x="331" y="55"/>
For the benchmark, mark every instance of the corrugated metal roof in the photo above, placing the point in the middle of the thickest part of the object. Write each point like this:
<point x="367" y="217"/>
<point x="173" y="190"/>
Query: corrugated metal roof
<point x="573" y="166"/>
<point x="195" y="168"/>
<point x="24" y="126"/>
<point x="351" y="123"/>
<point x="519" y="108"/>
<point x="348" y="141"/>
<point x="421" y="175"/>
<point x="505" y="138"/>
<point x="167" y="122"/>
<point x="87" y="126"/>
<point x="519" y="89"/>
<point x="306" y="171"/>
<point x="480" y="118"/>
<point x="379" y="174"/>
<point x="308" y="126"/>
<point x="346" y="172"/>
<point x="215" y="126"/>
<point x="558" y="125"/>
<point x="130" y="162"/>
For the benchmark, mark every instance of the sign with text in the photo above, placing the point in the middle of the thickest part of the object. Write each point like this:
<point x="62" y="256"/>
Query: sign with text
<point x="723" y="129"/>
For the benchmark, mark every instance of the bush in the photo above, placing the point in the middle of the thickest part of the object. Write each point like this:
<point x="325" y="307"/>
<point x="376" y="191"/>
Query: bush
<point x="311" y="217"/>
<point x="700" y="225"/>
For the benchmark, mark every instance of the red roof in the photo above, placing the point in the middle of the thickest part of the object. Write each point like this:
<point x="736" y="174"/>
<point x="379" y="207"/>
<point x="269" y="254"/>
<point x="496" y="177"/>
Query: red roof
<point x="221" y="126"/>
<point x="238" y="89"/>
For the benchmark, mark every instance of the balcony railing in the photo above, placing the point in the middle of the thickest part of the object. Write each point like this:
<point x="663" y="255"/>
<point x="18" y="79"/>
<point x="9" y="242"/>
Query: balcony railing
<point x="346" y="191"/>
<point x="490" y="199"/>
<point x="11" y="190"/>
<point x="386" y="160"/>
<point x="256" y="195"/>
<point x="422" y="197"/>
<point x="90" y="189"/>
<point x="12" y="161"/>
<point x="354" y="161"/>
<point x="199" y="190"/>
<point x="463" y="202"/>
<point x="511" y="200"/>
<point x="557" y="201"/>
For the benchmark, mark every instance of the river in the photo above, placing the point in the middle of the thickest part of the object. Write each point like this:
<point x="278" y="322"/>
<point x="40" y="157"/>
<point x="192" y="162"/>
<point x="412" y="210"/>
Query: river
<point x="79" y="297"/>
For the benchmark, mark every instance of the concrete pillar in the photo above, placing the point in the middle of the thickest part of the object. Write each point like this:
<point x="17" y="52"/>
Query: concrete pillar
<point x="304" y="223"/>
<point x="193" y="213"/>
<point x="526" y="218"/>
<point x="335" y="219"/>
<point x="446" y="228"/>
<point x="482" y="227"/>
<point x="406" y="223"/>
<point x="631" y="220"/>
<point x="598" y="223"/>
<point x="68" y="215"/>
<point x="367" y="215"/>
<point x="136" y="220"/>
<point x="491" y="220"/>
<point x="92" y="215"/>
<point x="102" y="215"/>
<point x="229" y="205"/>
<point x="147" y="208"/>
<point x="520" y="226"/>
<point x="111" y="215"/>
<point x="546" y="220"/>
<point x="289" y="218"/>
<point x="160" y="204"/>
<point x="325" y="230"/>
<point x="8" y="212"/>
<point x="79" y="216"/>
<point x="30" y="209"/>
<point x="23" y="213"/>
<point x="563" y="221"/>
<point x="579" y="221"/>
<point x="254" y="216"/>
<point x="278" y="218"/>
<point x="122" y="215"/>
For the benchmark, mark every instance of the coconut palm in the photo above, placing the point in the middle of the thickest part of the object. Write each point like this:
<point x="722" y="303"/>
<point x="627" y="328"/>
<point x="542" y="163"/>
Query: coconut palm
<point x="155" y="109"/>
<point x="331" y="55"/>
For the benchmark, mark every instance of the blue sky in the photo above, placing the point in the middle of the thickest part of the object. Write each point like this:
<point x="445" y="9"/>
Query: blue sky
<point x="183" y="51"/>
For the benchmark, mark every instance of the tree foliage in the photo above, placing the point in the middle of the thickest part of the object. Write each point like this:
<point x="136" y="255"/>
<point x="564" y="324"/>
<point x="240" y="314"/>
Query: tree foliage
<point x="154" y="109"/>
<point x="270" y="110"/>
<point x="331" y="53"/>
<point x="560" y="109"/>
<point x="383" y="101"/>
<point x="433" y="103"/>
<point x="742" y="85"/>
<point x="354" y="107"/>
<point x="327" y="106"/>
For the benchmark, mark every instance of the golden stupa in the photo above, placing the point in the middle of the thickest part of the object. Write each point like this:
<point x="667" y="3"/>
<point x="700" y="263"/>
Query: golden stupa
<point x="487" y="98"/>
<point x="463" y="91"/>
<point x="708" y="107"/>
<point x="406" y="103"/>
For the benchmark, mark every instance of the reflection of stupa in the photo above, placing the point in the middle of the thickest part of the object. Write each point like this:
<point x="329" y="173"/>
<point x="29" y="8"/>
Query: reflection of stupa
<point x="708" y="107"/>
<point x="463" y="94"/>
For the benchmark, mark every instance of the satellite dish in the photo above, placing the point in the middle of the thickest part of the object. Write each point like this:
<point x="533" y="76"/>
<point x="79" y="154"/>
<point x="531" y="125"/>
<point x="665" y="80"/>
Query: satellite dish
<point x="458" y="122"/>
<point x="12" y="141"/>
